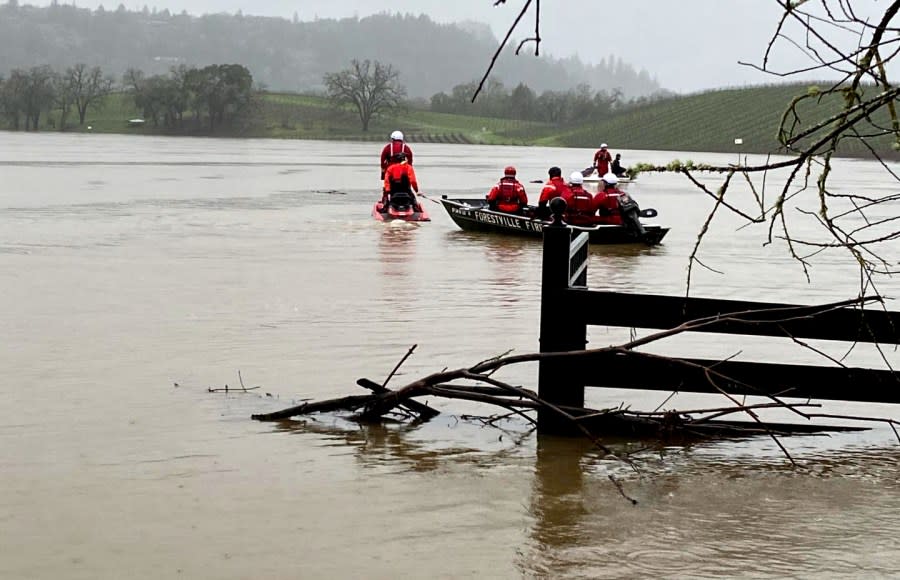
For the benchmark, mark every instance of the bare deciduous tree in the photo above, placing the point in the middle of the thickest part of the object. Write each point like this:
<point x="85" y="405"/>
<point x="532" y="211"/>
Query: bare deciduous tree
<point x="371" y="87"/>
<point x="12" y="94"/>
<point x="38" y="95"/>
<point x="86" y="87"/>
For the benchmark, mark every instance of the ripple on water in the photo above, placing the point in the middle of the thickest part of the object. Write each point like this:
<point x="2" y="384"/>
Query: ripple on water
<point x="663" y="561"/>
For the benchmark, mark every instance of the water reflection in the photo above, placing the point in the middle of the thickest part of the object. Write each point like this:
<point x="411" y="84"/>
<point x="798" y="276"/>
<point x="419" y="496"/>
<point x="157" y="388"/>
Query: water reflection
<point x="557" y="504"/>
<point x="704" y="513"/>
<point x="478" y="240"/>
<point x="505" y="257"/>
<point x="620" y="260"/>
<point x="409" y="447"/>
<point x="397" y="248"/>
<point x="510" y="264"/>
<point x="375" y="445"/>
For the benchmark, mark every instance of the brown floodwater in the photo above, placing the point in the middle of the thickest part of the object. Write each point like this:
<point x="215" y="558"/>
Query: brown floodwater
<point x="138" y="272"/>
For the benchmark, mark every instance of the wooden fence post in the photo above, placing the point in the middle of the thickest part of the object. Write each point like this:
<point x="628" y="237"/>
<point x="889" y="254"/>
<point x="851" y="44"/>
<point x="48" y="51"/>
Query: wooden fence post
<point x="560" y="329"/>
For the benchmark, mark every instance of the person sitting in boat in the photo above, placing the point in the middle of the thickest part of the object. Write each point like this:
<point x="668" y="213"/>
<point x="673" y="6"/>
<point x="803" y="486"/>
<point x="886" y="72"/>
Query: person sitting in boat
<point x="580" y="208"/>
<point x="508" y="195"/>
<point x="555" y="187"/>
<point x="399" y="177"/>
<point x="616" y="167"/>
<point x="606" y="202"/>
<point x="602" y="159"/>
<point x="397" y="145"/>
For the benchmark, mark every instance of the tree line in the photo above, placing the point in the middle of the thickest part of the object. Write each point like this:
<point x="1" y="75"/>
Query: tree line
<point x="27" y="94"/>
<point x="374" y="88"/>
<point x="222" y="94"/>
<point x="209" y="96"/>
<point x="522" y="102"/>
<point x="214" y="95"/>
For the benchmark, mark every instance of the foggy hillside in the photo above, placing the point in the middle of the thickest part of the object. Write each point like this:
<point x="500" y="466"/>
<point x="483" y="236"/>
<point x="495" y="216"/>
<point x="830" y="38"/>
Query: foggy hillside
<point x="289" y="55"/>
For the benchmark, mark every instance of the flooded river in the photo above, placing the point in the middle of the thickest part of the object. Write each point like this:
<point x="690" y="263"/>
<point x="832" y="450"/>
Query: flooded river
<point x="136" y="273"/>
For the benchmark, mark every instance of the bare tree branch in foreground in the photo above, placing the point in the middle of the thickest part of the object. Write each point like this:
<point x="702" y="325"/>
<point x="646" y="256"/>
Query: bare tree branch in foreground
<point x="477" y="383"/>
<point x="839" y="43"/>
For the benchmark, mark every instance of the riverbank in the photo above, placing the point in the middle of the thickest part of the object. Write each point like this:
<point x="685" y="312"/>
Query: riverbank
<point x="722" y="121"/>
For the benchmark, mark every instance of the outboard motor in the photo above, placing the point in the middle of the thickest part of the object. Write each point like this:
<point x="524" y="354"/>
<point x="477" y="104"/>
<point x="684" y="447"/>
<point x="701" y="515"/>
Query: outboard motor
<point x="631" y="212"/>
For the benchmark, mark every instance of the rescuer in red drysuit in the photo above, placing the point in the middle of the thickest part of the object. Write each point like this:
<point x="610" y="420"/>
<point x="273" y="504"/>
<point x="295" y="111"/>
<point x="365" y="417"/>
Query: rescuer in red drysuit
<point x="555" y="187"/>
<point x="400" y="177"/>
<point x="397" y="145"/>
<point x="580" y="208"/>
<point x="508" y="195"/>
<point x="606" y="201"/>
<point x="602" y="159"/>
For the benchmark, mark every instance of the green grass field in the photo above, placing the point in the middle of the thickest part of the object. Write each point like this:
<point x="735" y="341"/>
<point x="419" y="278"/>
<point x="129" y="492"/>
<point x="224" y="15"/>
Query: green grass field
<point x="708" y="121"/>
<point x="711" y="121"/>
<point x="306" y="117"/>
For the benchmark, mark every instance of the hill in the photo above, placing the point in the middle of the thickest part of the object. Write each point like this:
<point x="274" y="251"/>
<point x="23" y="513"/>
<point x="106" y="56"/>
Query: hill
<point x="711" y="121"/>
<point x="288" y="55"/>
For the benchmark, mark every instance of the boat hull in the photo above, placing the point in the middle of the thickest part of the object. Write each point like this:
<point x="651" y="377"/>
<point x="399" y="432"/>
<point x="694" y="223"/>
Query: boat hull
<point x="473" y="215"/>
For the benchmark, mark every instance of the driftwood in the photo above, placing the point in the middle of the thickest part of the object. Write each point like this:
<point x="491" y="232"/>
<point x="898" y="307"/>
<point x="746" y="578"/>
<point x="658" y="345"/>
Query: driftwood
<point x="224" y="389"/>
<point x="424" y="411"/>
<point x="592" y="423"/>
<point x="668" y="426"/>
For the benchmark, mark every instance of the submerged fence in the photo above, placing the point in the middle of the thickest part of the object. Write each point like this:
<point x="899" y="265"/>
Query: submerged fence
<point x="568" y="307"/>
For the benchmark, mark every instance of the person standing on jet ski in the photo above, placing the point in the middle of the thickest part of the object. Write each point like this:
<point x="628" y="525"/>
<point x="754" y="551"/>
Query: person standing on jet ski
<point x="393" y="148"/>
<point x="399" y="177"/>
<point x="602" y="159"/>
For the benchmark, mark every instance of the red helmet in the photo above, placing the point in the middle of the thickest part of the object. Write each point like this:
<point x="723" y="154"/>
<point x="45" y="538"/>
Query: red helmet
<point x="510" y="170"/>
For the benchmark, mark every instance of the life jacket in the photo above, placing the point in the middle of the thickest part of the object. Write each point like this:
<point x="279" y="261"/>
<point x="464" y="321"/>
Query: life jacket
<point x="398" y="178"/>
<point x="581" y="202"/>
<point x="508" y="195"/>
<point x="607" y="203"/>
<point x="393" y="148"/>
<point x="602" y="160"/>
<point x="580" y="208"/>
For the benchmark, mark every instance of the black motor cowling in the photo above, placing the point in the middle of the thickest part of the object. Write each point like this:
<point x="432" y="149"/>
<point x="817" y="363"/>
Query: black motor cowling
<point x="401" y="201"/>
<point x="631" y="211"/>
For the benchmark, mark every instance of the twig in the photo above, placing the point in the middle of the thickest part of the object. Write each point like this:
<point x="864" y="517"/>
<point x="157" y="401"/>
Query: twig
<point x="621" y="491"/>
<point x="500" y="48"/>
<point x="399" y="364"/>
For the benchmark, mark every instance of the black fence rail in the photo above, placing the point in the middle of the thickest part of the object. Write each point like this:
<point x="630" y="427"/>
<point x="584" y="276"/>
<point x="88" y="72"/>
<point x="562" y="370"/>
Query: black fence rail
<point x="568" y="307"/>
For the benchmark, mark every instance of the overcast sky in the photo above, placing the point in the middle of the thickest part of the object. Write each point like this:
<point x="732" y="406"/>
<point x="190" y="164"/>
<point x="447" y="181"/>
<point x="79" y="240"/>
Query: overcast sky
<point x="687" y="46"/>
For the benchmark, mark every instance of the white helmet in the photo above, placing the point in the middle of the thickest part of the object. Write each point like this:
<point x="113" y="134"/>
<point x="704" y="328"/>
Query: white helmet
<point x="610" y="178"/>
<point x="577" y="178"/>
<point x="397" y="136"/>
<point x="603" y="146"/>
